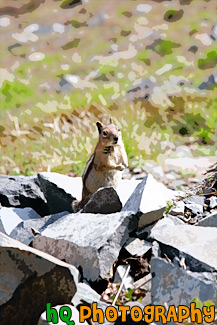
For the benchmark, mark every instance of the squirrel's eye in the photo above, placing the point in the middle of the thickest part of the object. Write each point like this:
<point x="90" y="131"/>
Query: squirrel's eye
<point x="104" y="133"/>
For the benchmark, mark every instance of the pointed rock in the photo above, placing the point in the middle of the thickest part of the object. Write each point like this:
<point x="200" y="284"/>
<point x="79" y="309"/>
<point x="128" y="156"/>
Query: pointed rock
<point x="60" y="190"/>
<point x="104" y="200"/>
<point x="149" y="200"/>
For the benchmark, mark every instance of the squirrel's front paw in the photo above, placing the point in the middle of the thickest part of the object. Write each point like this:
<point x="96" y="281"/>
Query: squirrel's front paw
<point x="121" y="167"/>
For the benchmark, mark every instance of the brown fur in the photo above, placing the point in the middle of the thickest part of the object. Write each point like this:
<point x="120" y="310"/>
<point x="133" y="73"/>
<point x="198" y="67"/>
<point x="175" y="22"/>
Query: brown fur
<point x="104" y="166"/>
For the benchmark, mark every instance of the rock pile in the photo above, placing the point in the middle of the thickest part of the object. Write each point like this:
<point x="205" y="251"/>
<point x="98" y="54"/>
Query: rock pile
<point x="49" y="254"/>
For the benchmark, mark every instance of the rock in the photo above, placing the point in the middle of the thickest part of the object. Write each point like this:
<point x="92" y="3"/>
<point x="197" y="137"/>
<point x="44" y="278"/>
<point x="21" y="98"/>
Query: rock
<point x="11" y="217"/>
<point x="214" y="32"/>
<point x="210" y="83"/>
<point x="30" y="279"/>
<point x="196" y="209"/>
<point x="60" y="190"/>
<point x="142" y="90"/>
<point x="212" y="202"/>
<point x="198" y="199"/>
<point x="89" y="241"/>
<point x="22" y="192"/>
<point x="69" y="309"/>
<point x="24" y="230"/>
<point x="137" y="247"/>
<point x="143" y="201"/>
<point x="177" y="287"/>
<point x="178" y="184"/>
<point x="126" y="188"/>
<point x="193" y="242"/>
<point x="85" y="294"/>
<point x="189" y="164"/>
<point x="183" y="151"/>
<point x="36" y="56"/>
<point x="104" y="200"/>
<point x="143" y="8"/>
<point x="209" y="221"/>
<point x="119" y="275"/>
<point x="178" y="209"/>
<point x="153" y="168"/>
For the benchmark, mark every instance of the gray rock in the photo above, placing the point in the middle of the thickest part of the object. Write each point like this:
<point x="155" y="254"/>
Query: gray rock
<point x="214" y="32"/>
<point x="196" y="209"/>
<point x="10" y="218"/>
<point x="209" y="221"/>
<point x="22" y="192"/>
<point x="176" y="220"/>
<point x="29" y="279"/>
<point x="143" y="201"/>
<point x="23" y="231"/>
<point x="60" y="190"/>
<point x="85" y="294"/>
<point x="177" y="286"/>
<point x="210" y="83"/>
<point x="195" y="199"/>
<point x="91" y="241"/>
<point x="104" y="200"/>
<point x="119" y="275"/>
<point x="137" y="247"/>
<point x="178" y="184"/>
<point x="193" y="241"/>
<point x="126" y="188"/>
<point x="75" y="316"/>
<point x="212" y="202"/>
<point x="178" y="209"/>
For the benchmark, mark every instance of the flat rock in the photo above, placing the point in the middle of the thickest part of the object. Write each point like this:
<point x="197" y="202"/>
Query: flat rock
<point x="189" y="164"/>
<point x="177" y="286"/>
<point x="10" y="218"/>
<point x="22" y="192"/>
<point x="104" y="200"/>
<point x="149" y="200"/>
<point x="137" y="247"/>
<point x="29" y="279"/>
<point x="193" y="241"/>
<point x="60" y="190"/>
<point x="91" y="241"/>
<point x="209" y="221"/>
<point x="195" y="199"/>
<point x="23" y="231"/>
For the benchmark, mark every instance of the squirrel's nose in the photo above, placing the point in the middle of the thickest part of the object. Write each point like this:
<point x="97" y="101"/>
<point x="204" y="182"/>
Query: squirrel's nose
<point x="116" y="139"/>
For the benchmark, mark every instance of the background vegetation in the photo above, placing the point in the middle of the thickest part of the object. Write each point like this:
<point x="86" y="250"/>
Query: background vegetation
<point x="66" y="64"/>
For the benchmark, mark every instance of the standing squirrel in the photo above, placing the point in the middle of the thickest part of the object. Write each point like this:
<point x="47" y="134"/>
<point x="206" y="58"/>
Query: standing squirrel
<point x="104" y="167"/>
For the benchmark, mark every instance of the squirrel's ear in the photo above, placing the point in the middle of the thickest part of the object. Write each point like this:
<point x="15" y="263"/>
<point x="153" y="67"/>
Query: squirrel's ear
<point x="111" y="121"/>
<point x="99" y="126"/>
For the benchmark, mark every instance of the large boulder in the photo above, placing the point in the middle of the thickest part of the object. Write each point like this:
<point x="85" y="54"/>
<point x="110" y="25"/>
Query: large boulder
<point x="60" y="190"/>
<point x="89" y="241"/>
<point x="30" y="279"/>
<point x="22" y="192"/>
<point x="149" y="200"/>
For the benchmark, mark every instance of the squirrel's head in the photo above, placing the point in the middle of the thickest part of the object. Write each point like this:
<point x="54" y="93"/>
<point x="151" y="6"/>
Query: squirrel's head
<point x="108" y="134"/>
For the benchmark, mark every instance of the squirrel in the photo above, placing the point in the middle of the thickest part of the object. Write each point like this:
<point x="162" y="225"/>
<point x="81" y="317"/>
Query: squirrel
<point x="104" y="167"/>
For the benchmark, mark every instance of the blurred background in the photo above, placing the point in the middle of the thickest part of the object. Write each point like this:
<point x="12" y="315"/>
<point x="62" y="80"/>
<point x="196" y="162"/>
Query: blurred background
<point x="65" y="64"/>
